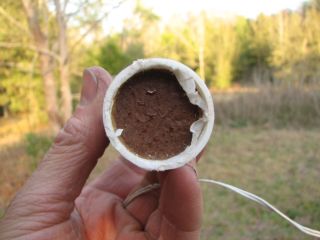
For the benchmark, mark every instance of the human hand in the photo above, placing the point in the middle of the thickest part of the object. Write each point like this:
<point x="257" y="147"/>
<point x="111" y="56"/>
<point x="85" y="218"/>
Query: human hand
<point x="55" y="204"/>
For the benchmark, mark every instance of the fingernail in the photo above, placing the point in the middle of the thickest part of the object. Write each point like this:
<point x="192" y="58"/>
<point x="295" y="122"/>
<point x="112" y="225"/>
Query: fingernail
<point x="89" y="87"/>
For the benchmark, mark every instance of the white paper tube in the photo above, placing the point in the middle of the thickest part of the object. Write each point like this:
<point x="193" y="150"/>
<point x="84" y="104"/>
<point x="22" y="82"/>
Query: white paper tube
<point x="198" y="94"/>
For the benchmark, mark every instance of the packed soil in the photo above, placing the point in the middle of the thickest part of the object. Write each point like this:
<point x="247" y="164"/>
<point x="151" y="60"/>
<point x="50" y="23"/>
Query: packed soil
<point x="155" y="115"/>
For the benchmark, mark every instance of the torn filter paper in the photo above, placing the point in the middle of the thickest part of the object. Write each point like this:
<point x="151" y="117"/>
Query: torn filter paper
<point x="197" y="93"/>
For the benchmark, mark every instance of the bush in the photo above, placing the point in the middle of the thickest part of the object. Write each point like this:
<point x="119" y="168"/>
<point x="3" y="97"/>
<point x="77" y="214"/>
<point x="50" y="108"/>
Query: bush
<point x="36" y="146"/>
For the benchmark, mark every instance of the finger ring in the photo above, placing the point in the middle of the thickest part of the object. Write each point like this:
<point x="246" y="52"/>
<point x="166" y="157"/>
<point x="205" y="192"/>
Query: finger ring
<point x="193" y="168"/>
<point x="139" y="192"/>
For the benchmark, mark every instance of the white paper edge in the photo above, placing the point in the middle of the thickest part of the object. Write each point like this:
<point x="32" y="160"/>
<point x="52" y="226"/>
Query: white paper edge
<point x="198" y="94"/>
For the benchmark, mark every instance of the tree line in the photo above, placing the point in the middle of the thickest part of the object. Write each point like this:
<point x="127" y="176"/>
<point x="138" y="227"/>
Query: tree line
<point x="280" y="47"/>
<point x="45" y="45"/>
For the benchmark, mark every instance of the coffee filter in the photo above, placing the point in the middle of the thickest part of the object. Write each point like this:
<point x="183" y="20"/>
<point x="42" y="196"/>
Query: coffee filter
<point x="198" y="94"/>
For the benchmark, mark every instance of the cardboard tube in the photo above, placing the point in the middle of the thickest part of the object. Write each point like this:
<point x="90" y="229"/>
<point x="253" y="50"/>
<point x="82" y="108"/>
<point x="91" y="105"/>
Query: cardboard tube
<point x="196" y="91"/>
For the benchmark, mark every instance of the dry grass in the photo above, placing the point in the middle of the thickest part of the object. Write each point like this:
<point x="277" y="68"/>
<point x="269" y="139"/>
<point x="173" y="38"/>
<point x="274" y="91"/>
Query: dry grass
<point x="11" y="129"/>
<point x="277" y="106"/>
<point x="14" y="170"/>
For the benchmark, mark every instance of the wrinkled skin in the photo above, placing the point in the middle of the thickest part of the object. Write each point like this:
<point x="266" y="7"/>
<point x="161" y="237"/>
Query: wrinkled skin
<point x="55" y="204"/>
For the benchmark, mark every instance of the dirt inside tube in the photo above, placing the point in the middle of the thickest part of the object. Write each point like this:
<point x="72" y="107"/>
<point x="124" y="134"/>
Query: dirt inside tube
<point x="155" y="115"/>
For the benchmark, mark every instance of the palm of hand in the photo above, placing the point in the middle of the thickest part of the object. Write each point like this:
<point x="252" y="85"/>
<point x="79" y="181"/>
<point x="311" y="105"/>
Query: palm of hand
<point x="161" y="212"/>
<point x="99" y="212"/>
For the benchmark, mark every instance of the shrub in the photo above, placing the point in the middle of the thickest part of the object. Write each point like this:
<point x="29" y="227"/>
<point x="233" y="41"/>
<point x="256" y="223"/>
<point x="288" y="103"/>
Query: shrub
<point x="36" y="146"/>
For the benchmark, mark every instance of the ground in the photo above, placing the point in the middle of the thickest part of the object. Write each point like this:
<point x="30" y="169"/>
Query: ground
<point x="280" y="165"/>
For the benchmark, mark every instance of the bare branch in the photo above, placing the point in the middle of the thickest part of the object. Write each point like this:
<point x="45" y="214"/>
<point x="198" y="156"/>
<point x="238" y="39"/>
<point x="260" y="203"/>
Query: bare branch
<point x="65" y="5"/>
<point x="94" y="25"/>
<point x="76" y="73"/>
<point x="71" y="14"/>
<point x="34" y="25"/>
<point x="62" y="37"/>
<point x="13" y="21"/>
<point x="30" y="47"/>
<point x="76" y="11"/>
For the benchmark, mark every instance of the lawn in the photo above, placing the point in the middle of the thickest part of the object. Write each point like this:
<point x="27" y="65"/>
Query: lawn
<point x="280" y="165"/>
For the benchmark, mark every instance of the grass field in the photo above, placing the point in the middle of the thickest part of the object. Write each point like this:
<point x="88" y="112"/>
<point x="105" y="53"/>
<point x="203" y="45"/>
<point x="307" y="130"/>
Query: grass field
<point x="280" y="165"/>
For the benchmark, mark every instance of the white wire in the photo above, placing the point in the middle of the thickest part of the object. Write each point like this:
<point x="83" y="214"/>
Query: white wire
<point x="244" y="193"/>
<point x="264" y="203"/>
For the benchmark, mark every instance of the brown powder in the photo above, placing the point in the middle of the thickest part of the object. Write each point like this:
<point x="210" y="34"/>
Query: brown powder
<point x="155" y="114"/>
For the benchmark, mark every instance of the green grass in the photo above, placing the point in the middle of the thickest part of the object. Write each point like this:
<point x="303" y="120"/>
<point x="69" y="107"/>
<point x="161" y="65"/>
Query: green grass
<point x="280" y="165"/>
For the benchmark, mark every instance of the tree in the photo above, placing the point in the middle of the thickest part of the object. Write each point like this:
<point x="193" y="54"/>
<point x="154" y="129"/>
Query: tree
<point x="41" y="41"/>
<point x="262" y="44"/>
<point x="112" y="57"/>
<point x="221" y="45"/>
<point x="20" y="83"/>
<point x="138" y="39"/>
<point x="55" y="40"/>
<point x="244" y="60"/>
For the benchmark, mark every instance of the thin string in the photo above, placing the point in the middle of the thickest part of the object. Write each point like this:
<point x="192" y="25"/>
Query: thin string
<point x="244" y="193"/>
<point x="264" y="203"/>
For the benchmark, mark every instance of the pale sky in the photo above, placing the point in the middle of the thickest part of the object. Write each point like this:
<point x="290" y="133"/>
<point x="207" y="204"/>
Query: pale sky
<point x="248" y="8"/>
<point x="168" y="8"/>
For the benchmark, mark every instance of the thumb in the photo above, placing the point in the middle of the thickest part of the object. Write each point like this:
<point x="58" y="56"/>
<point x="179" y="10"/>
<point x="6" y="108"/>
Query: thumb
<point x="180" y="203"/>
<point x="67" y="165"/>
